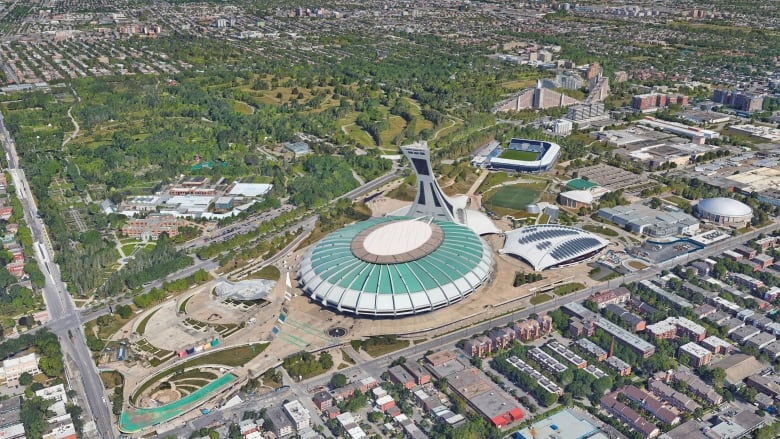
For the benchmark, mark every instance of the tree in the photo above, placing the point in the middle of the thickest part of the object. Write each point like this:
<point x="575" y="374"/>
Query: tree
<point x="376" y="417"/>
<point x="549" y="399"/>
<point x="338" y="380"/>
<point x="124" y="311"/>
<point x="33" y="416"/>
<point x="718" y="375"/>
<point x="398" y="361"/>
<point x="94" y="343"/>
<point x="601" y="385"/>
<point x="25" y="379"/>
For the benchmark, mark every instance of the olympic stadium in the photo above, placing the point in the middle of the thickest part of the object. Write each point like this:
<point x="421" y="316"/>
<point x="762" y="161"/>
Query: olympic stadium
<point x="394" y="266"/>
<point x="549" y="246"/>
<point x="524" y="155"/>
<point x="400" y="265"/>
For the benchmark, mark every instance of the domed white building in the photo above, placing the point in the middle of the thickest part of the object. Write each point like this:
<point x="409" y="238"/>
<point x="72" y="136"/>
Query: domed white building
<point x="726" y="211"/>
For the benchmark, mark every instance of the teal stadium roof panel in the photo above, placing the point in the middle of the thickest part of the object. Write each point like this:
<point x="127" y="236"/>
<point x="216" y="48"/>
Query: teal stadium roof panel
<point x="394" y="266"/>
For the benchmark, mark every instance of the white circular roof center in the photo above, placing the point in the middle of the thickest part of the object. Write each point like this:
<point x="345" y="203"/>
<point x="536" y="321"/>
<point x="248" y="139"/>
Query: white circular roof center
<point x="397" y="238"/>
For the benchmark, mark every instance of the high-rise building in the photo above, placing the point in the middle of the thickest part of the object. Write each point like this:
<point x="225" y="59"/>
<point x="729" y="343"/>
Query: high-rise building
<point x="594" y="70"/>
<point x="739" y="100"/>
<point x="562" y="127"/>
<point x="651" y="101"/>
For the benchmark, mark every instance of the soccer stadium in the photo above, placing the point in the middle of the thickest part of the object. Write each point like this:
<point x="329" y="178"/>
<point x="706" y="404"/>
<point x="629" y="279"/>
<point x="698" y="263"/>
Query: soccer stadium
<point x="524" y="155"/>
<point x="400" y="265"/>
<point x="550" y="246"/>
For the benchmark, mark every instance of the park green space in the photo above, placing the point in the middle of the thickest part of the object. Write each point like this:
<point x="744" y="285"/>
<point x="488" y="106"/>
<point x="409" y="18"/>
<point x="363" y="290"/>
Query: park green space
<point x="540" y="298"/>
<point x="380" y="345"/>
<point x="568" y="288"/>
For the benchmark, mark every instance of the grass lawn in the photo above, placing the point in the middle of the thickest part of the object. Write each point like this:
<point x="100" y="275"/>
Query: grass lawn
<point x="569" y="288"/>
<point x="677" y="200"/>
<point x="637" y="265"/>
<point x="359" y="136"/>
<point x="128" y="249"/>
<point x="242" y="107"/>
<point x="405" y="191"/>
<point x="513" y="197"/>
<point x="268" y="272"/>
<point x="105" y="332"/>
<point x="112" y="379"/>
<point x="395" y="127"/>
<point x="346" y="357"/>
<point x="601" y="230"/>
<point x="495" y="178"/>
<point x="540" y="298"/>
<point x="142" y="326"/>
<point x="518" y="84"/>
<point x="378" y="350"/>
<point x="603" y="274"/>
<point x="233" y="357"/>
<point x="194" y="374"/>
<point x="513" y="154"/>
<point x="183" y="305"/>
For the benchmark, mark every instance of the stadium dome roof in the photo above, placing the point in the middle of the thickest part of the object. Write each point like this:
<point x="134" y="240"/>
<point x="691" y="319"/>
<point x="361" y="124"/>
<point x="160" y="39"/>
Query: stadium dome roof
<point x="723" y="206"/>
<point x="394" y="266"/>
<point x="547" y="246"/>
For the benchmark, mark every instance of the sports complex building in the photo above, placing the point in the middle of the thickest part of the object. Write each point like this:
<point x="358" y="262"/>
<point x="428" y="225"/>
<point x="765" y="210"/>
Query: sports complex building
<point x="726" y="211"/>
<point x="550" y="245"/>
<point x="524" y="155"/>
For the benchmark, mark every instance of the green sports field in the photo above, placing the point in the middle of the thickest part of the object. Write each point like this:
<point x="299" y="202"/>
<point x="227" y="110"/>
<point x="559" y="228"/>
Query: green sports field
<point x="514" y="197"/>
<point x="513" y="154"/>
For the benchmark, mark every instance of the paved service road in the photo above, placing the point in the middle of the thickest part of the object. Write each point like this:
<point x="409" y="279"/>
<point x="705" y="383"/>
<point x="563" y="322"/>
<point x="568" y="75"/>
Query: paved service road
<point x="64" y="318"/>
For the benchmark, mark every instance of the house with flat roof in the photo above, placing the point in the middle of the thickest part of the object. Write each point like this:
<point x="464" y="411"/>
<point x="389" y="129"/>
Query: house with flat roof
<point x="13" y="368"/>
<point x="479" y="346"/>
<point x="482" y="395"/>
<point x="619" y="366"/>
<point x="744" y="333"/>
<point x="399" y="375"/>
<point x="592" y="349"/>
<point x="717" y="345"/>
<point x="697" y="355"/>
<point x="760" y="340"/>
<point x="613" y="296"/>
